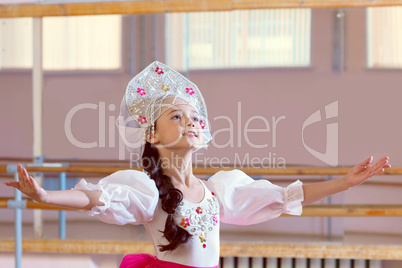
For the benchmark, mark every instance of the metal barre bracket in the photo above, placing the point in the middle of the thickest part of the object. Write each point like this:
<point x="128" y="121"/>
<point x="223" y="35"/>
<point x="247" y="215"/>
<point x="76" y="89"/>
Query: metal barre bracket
<point x="17" y="204"/>
<point x="12" y="168"/>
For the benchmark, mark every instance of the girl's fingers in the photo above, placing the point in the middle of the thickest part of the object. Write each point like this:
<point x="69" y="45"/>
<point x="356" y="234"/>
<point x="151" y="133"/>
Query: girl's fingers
<point x="379" y="166"/>
<point x="378" y="171"/>
<point x="31" y="182"/>
<point x="19" y="171"/>
<point x="26" y="175"/>
<point x="25" y="178"/>
<point x="367" y="161"/>
<point x="382" y="169"/>
<point x="14" y="184"/>
<point x="380" y="163"/>
<point x="22" y="179"/>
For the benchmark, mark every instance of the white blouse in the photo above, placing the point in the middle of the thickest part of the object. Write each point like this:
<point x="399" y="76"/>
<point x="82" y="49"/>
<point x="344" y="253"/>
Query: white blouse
<point x="131" y="197"/>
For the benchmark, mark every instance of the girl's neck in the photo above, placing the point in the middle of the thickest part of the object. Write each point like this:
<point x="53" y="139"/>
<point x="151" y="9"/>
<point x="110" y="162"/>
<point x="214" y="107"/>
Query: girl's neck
<point x="178" y="166"/>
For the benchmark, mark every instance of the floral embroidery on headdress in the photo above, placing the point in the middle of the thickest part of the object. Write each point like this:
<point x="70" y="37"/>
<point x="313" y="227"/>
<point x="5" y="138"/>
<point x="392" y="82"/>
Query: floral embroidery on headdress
<point x="165" y="88"/>
<point x="159" y="70"/>
<point x="190" y="91"/>
<point x="141" y="91"/>
<point x="142" y="119"/>
<point x="202" y="124"/>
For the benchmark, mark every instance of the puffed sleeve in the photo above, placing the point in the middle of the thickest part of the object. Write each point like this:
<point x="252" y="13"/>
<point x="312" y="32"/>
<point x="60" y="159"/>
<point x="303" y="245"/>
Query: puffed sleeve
<point x="129" y="196"/>
<point x="246" y="201"/>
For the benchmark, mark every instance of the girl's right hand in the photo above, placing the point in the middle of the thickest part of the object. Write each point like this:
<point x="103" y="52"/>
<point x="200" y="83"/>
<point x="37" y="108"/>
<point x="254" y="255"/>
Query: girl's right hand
<point x="28" y="186"/>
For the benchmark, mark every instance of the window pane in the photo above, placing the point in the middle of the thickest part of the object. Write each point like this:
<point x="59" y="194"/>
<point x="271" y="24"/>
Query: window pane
<point x="16" y="43"/>
<point x="82" y="42"/>
<point x="244" y="38"/>
<point x="384" y="37"/>
<point x="69" y="43"/>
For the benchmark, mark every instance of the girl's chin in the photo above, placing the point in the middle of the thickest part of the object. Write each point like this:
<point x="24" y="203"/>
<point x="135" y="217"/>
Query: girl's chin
<point x="183" y="142"/>
<point x="190" y="141"/>
<point x="191" y="146"/>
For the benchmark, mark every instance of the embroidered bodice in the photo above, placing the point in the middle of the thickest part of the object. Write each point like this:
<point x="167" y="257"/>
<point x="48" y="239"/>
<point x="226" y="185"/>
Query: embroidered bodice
<point x="199" y="219"/>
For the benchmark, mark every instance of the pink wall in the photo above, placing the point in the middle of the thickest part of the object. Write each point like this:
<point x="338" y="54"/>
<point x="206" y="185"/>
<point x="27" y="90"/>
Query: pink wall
<point x="369" y="114"/>
<point x="368" y="105"/>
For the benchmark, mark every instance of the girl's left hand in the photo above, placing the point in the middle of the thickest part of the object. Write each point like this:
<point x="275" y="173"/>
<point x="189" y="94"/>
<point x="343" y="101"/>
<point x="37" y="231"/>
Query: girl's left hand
<point x="363" y="171"/>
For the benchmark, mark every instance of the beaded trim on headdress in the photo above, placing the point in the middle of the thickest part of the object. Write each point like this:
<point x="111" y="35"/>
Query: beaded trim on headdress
<point x="146" y="92"/>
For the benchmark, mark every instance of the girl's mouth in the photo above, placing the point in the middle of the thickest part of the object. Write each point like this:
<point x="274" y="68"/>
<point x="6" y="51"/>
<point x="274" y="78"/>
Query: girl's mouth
<point x="190" y="133"/>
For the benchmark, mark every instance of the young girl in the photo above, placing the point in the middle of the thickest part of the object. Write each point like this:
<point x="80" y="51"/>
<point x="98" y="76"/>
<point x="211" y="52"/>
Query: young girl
<point x="167" y="114"/>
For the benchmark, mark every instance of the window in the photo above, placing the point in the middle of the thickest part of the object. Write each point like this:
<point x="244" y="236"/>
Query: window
<point x="69" y="43"/>
<point x="384" y="37"/>
<point x="238" y="39"/>
<point x="16" y="43"/>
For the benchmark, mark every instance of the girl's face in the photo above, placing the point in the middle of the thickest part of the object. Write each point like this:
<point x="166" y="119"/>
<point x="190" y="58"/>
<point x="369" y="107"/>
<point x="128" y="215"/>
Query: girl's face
<point x="179" y="127"/>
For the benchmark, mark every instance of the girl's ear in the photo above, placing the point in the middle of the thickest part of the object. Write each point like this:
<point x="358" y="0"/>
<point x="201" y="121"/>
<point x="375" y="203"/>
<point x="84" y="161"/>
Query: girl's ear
<point x="152" y="137"/>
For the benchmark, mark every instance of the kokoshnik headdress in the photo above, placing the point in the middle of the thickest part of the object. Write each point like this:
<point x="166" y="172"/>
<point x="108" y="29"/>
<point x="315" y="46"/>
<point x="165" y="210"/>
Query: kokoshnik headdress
<point x="145" y="100"/>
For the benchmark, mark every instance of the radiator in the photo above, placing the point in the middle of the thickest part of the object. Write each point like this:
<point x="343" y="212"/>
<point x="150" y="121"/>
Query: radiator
<point x="259" y="262"/>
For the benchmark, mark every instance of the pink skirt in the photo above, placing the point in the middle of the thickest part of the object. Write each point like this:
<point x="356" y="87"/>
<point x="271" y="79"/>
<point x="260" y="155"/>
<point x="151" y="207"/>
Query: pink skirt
<point x="149" y="261"/>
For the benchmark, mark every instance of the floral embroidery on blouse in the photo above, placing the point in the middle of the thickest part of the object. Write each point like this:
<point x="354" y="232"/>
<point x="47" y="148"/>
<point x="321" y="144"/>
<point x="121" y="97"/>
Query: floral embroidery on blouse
<point x="199" y="210"/>
<point x="203" y="237"/>
<point x="199" y="219"/>
<point x="184" y="222"/>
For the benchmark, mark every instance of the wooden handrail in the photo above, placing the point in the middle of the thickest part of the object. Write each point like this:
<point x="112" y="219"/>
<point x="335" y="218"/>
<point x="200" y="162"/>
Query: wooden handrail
<point x="165" y="6"/>
<point x="351" y="210"/>
<point x="276" y="250"/>
<point x="207" y="170"/>
<point x="30" y="204"/>
<point x="308" y="211"/>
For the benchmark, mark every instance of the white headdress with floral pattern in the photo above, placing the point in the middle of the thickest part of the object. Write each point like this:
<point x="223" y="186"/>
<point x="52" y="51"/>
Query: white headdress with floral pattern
<point x="143" y="103"/>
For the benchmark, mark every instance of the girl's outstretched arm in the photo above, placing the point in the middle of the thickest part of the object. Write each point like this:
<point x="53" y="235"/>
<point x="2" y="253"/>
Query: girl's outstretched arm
<point x="79" y="199"/>
<point x="357" y="175"/>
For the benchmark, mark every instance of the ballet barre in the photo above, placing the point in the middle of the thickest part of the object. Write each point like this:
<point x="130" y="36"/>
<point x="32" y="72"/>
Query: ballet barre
<point x="228" y="249"/>
<point x="308" y="211"/>
<point x="66" y="8"/>
<point x="199" y="171"/>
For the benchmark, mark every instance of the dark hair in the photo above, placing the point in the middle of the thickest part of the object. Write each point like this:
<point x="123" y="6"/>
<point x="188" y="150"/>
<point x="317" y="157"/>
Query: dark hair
<point x="169" y="195"/>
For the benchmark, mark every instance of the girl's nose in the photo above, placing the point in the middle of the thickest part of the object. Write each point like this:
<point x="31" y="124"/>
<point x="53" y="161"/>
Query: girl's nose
<point x="190" y="122"/>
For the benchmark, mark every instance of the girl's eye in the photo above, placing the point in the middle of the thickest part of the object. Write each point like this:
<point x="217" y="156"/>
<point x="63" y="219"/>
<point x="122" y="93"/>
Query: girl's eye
<point x="176" y="117"/>
<point x="195" y="119"/>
